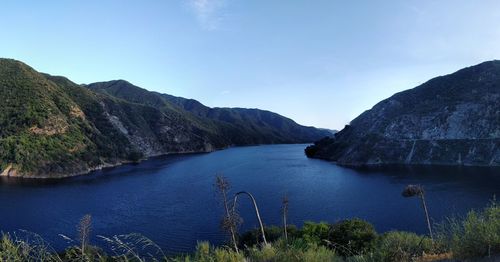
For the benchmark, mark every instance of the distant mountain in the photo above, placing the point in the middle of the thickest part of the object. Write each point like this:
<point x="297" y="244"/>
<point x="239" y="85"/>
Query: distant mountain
<point x="449" y="120"/>
<point x="52" y="127"/>
<point x="237" y="126"/>
<point x="331" y="131"/>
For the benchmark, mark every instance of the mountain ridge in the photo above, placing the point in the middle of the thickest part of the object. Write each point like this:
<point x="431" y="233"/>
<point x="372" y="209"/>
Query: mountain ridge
<point x="230" y="120"/>
<point x="53" y="127"/>
<point x="448" y="120"/>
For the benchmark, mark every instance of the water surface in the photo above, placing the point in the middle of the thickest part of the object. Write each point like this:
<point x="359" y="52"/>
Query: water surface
<point x="171" y="199"/>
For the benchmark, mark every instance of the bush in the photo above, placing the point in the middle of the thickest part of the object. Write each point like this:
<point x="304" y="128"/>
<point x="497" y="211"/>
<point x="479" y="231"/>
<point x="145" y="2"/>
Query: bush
<point x="320" y="253"/>
<point x="28" y="247"/>
<point x="315" y="233"/>
<point x="92" y="253"/>
<point x="266" y="253"/>
<point x="352" y="237"/>
<point x="280" y="251"/>
<point x="478" y="235"/>
<point x="273" y="233"/>
<point x="402" y="246"/>
<point x="206" y="253"/>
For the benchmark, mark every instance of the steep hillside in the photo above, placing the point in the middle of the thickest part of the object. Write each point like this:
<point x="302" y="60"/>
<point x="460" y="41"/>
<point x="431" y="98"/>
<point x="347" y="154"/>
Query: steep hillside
<point x="449" y="120"/>
<point x="42" y="129"/>
<point x="52" y="127"/>
<point x="236" y="126"/>
<point x="261" y="125"/>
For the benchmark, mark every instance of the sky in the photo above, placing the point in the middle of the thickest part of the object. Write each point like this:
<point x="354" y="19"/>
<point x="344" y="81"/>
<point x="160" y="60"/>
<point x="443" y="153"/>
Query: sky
<point x="319" y="62"/>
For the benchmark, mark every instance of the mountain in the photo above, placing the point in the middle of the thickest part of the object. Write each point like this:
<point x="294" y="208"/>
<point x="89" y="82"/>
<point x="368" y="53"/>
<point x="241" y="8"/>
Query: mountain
<point x="52" y="127"/>
<point x="449" y="120"/>
<point x="238" y="126"/>
<point x="331" y="131"/>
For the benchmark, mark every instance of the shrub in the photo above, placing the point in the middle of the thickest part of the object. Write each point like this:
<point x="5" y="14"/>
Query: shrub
<point x="351" y="237"/>
<point x="273" y="233"/>
<point x="320" y="253"/>
<point x="92" y="253"/>
<point x="10" y="251"/>
<point x="297" y="251"/>
<point x="401" y="246"/>
<point x="206" y="253"/>
<point x="266" y="253"/>
<point x="315" y="233"/>
<point x="478" y="235"/>
<point x="28" y="247"/>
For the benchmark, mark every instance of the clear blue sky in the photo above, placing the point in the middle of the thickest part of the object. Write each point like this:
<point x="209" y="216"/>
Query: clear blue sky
<point x="320" y="63"/>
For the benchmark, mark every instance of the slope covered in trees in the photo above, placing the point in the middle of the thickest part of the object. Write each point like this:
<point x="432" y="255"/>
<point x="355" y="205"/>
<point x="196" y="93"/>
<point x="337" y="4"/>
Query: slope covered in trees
<point x="52" y="127"/>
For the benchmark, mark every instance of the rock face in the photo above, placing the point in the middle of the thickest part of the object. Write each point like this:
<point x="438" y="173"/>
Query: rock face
<point x="449" y="120"/>
<point x="52" y="127"/>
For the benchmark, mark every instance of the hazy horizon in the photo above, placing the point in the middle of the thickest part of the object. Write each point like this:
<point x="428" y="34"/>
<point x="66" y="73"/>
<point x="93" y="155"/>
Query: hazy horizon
<point x="320" y="65"/>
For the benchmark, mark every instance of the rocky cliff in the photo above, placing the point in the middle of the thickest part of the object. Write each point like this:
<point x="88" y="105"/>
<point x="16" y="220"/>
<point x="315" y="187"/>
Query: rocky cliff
<point x="449" y="120"/>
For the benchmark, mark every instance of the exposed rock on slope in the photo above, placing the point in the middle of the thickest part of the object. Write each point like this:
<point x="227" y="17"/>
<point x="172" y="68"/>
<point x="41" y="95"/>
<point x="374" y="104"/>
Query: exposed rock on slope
<point x="235" y="126"/>
<point x="450" y="120"/>
<point x="52" y="127"/>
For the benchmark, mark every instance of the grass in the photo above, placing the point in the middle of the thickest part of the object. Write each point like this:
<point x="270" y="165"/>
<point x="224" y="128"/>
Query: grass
<point x="475" y="236"/>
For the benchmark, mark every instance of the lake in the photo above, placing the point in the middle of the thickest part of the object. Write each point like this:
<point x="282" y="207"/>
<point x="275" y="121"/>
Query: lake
<point x="171" y="199"/>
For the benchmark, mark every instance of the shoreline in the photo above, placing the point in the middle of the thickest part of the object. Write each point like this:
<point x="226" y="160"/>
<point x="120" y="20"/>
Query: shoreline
<point x="402" y="164"/>
<point x="120" y="163"/>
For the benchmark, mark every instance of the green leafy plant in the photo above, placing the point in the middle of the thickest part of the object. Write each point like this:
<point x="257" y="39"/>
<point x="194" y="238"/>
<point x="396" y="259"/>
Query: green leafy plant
<point x="402" y="246"/>
<point x="352" y="237"/>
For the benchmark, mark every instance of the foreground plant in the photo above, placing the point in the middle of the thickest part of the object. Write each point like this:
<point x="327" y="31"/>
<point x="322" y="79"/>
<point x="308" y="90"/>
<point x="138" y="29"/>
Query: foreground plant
<point x="402" y="246"/>
<point x="26" y="246"/>
<point x="476" y="235"/>
<point x="84" y="229"/>
<point x="418" y="190"/>
<point x="133" y="247"/>
<point x="284" y="211"/>
<point x="256" y="208"/>
<point x="231" y="218"/>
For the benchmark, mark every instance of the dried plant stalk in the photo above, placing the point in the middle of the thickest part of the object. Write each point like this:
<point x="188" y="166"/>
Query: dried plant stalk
<point x="229" y="222"/>
<point x="84" y="228"/>
<point x="418" y="190"/>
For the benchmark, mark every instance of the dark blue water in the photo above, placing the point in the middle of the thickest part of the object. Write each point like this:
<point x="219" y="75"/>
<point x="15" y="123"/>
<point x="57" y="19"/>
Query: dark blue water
<point x="172" y="201"/>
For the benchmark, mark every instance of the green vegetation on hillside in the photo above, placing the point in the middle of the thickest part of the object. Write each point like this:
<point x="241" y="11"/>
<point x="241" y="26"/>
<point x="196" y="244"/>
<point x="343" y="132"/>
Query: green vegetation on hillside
<point x="41" y="127"/>
<point x="234" y="126"/>
<point x="52" y="127"/>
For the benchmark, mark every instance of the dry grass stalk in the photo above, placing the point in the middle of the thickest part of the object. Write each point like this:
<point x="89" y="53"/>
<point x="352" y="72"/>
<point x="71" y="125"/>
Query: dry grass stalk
<point x="285" y="214"/>
<point x="230" y="221"/>
<point x="84" y="228"/>
<point x="418" y="190"/>
<point x="256" y="212"/>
